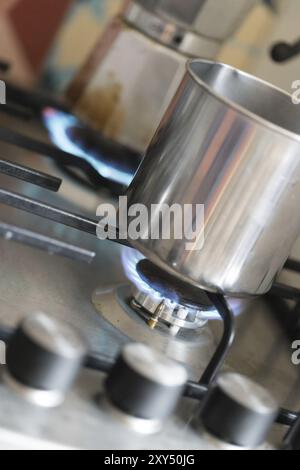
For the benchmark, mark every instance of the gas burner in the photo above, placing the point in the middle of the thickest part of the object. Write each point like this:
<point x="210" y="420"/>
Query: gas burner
<point x="154" y="289"/>
<point x="171" y="302"/>
<point x="150" y="293"/>
<point x="157" y="310"/>
<point x="159" y="304"/>
<point x="151" y="309"/>
<point x="192" y="347"/>
<point x="172" y="287"/>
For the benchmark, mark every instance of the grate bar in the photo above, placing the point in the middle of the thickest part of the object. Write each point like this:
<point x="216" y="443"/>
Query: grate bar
<point x="69" y="219"/>
<point x="60" y="156"/>
<point x="30" y="175"/>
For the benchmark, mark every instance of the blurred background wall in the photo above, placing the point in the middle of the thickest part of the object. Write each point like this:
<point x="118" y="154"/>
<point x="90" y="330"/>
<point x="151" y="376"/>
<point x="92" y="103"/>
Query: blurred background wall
<point x="48" y="40"/>
<point x="79" y="32"/>
<point x="87" y="18"/>
<point x="286" y="28"/>
<point x="28" y="29"/>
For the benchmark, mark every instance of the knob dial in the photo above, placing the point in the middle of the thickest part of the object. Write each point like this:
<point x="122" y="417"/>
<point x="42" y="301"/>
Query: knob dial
<point x="239" y="412"/>
<point x="43" y="358"/>
<point x="145" y="385"/>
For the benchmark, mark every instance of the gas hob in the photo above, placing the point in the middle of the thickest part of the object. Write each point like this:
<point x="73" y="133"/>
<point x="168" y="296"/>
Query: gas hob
<point x="101" y="300"/>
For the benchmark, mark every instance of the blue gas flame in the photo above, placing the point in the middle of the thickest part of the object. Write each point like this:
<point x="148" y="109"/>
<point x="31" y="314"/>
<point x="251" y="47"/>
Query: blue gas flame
<point x="57" y="123"/>
<point x="130" y="259"/>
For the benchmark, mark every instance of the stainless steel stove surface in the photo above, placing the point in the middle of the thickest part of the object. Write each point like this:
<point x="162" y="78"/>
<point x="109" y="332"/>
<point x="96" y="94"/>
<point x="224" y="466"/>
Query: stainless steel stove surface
<point x="97" y="298"/>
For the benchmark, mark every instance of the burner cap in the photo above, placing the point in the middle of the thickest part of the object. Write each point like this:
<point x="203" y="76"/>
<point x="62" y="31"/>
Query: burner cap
<point x="172" y="287"/>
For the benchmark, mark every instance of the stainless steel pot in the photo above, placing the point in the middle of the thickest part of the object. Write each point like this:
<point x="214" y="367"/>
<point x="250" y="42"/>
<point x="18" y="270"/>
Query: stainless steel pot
<point x="231" y="142"/>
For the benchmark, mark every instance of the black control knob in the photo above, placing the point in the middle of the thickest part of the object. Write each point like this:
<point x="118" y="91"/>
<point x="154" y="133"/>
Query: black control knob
<point x="145" y="385"/>
<point x="43" y="358"/>
<point x="238" y="412"/>
<point x="283" y="52"/>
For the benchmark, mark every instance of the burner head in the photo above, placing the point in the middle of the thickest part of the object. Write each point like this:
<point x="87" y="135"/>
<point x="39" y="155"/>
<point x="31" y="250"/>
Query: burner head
<point x="173" y="288"/>
<point x="157" y="310"/>
<point x="152" y="286"/>
<point x="171" y="302"/>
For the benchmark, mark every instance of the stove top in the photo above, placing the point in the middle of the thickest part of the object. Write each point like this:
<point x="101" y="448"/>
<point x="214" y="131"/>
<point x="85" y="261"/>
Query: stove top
<point x="99" y="288"/>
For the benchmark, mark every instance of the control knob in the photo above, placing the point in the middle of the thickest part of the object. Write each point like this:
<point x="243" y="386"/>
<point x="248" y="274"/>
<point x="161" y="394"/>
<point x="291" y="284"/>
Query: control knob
<point x="43" y="358"/>
<point x="144" y="387"/>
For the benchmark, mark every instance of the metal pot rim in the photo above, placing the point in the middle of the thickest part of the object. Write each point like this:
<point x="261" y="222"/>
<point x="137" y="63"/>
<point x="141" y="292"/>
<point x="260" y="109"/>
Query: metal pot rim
<point x="235" y="106"/>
